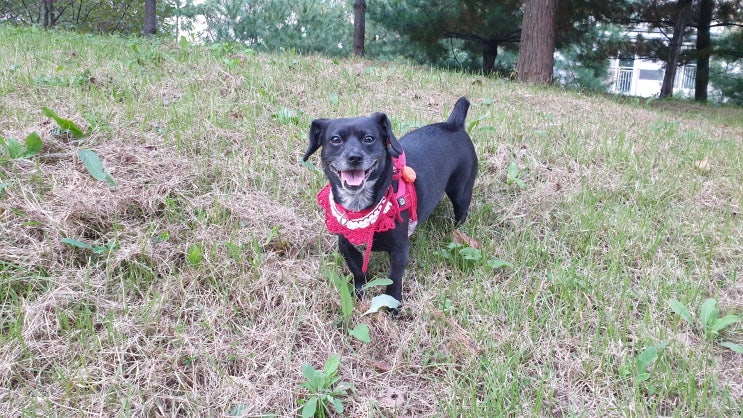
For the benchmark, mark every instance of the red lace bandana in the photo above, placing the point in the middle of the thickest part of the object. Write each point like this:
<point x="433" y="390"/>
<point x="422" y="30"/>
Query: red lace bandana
<point x="360" y="227"/>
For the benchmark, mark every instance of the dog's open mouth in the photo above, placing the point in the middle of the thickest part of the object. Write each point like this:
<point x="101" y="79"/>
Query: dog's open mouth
<point x="355" y="179"/>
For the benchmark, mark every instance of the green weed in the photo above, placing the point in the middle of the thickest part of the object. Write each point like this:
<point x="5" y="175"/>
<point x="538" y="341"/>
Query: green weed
<point x="325" y="389"/>
<point x="344" y="286"/>
<point x="31" y="146"/>
<point x="467" y="257"/>
<point x="710" y="322"/>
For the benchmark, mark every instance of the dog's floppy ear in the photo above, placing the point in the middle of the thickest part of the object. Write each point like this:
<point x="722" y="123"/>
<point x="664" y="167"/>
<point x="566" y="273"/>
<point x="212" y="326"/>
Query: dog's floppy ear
<point x="393" y="147"/>
<point x="318" y="125"/>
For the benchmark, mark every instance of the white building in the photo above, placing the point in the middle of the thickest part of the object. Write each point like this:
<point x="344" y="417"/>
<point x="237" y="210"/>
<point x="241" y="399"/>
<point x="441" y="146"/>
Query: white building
<point x="644" y="77"/>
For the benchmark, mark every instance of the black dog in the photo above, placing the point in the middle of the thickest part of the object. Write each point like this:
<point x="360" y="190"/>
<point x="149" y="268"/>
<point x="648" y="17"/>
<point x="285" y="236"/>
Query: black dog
<point x="370" y="199"/>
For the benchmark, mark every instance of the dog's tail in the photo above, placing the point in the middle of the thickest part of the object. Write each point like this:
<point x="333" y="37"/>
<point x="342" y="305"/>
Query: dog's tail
<point x="458" y="114"/>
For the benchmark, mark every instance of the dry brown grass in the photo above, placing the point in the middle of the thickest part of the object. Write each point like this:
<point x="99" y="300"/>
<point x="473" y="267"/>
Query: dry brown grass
<point x="201" y="159"/>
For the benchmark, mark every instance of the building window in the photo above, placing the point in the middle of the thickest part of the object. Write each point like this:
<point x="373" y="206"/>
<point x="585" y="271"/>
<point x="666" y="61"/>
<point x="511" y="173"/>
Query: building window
<point x="624" y="80"/>
<point x="690" y="74"/>
<point x="653" y="75"/>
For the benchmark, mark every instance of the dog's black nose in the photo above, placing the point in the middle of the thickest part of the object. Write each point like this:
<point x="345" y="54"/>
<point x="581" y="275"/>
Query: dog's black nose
<point x="354" y="158"/>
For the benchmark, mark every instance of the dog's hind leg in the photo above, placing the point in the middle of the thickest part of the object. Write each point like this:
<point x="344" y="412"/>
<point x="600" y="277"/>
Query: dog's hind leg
<point x="354" y="261"/>
<point x="460" y="194"/>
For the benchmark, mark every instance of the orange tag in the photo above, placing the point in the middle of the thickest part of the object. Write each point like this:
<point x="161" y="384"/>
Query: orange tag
<point x="408" y="174"/>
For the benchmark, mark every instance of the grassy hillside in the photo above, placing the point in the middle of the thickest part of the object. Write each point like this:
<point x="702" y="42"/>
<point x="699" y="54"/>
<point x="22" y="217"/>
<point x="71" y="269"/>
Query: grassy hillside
<point x="203" y="281"/>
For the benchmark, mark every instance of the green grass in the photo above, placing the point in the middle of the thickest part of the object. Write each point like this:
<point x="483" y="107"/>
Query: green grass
<point x="217" y="291"/>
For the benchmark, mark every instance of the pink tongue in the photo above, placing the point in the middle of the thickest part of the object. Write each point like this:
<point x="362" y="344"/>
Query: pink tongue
<point x="353" y="177"/>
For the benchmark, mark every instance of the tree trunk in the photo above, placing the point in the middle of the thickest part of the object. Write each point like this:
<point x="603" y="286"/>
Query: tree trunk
<point x="150" y="17"/>
<point x="48" y="13"/>
<point x="537" y="50"/>
<point x="703" y="50"/>
<point x="359" y="27"/>
<point x="683" y="10"/>
<point x="489" y="54"/>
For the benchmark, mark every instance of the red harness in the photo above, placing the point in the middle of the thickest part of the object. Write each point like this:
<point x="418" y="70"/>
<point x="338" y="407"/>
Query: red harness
<point x="360" y="227"/>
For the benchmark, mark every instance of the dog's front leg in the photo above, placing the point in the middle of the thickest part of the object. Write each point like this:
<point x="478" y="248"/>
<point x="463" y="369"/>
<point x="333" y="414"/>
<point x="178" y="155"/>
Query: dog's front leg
<point x="398" y="264"/>
<point x="354" y="261"/>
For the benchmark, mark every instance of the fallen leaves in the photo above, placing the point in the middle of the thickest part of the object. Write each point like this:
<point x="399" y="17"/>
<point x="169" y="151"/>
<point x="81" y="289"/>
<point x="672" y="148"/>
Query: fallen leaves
<point x="460" y="237"/>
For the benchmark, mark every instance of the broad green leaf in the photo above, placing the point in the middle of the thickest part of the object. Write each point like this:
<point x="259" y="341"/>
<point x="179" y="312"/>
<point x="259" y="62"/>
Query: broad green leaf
<point x="309" y="373"/>
<point x="15" y="149"/>
<point x="382" y="281"/>
<point x="641" y="377"/>
<point x="647" y="357"/>
<point x="513" y="171"/>
<point x="310" y="407"/>
<point x="100" y="249"/>
<point x="338" y="405"/>
<point x="496" y="264"/>
<point x="723" y="323"/>
<point x="33" y="144"/>
<point x="76" y="243"/>
<point x="194" y="255"/>
<point x="733" y="346"/>
<point x="381" y="301"/>
<point x="285" y="116"/>
<point x="474" y="123"/>
<point x="679" y="309"/>
<point x="470" y="253"/>
<point x="361" y="333"/>
<point x="65" y="124"/>
<point x="709" y="312"/>
<point x="331" y="365"/>
<point x="341" y="283"/>
<point x="93" y="164"/>
<point x="334" y="100"/>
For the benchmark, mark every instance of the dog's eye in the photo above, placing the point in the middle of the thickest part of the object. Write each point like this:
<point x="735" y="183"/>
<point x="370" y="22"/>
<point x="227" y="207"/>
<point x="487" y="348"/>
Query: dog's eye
<point x="335" y="140"/>
<point x="369" y="139"/>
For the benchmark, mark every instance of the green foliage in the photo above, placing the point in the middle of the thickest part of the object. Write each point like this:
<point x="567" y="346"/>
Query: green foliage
<point x="583" y="62"/>
<point x="710" y="321"/>
<point x="303" y="26"/>
<point x="713" y="324"/>
<point x="89" y="158"/>
<point x="86" y="16"/>
<point x="32" y="146"/>
<point x="513" y="174"/>
<point x="325" y="390"/>
<point x="94" y="165"/>
<point x="450" y="33"/>
<point x="640" y="368"/>
<point x="343" y="285"/>
<point x="287" y="116"/>
<point x="727" y="80"/>
<point x="726" y="76"/>
<point x="467" y="257"/>
<point x="345" y="289"/>
<point x="95" y="249"/>
<point x="65" y="124"/>
<point x="361" y="333"/>
<point x="195" y="254"/>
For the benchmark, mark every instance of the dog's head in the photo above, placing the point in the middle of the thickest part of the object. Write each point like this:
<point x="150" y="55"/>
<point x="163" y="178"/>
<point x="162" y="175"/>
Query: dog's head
<point x="356" y="157"/>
